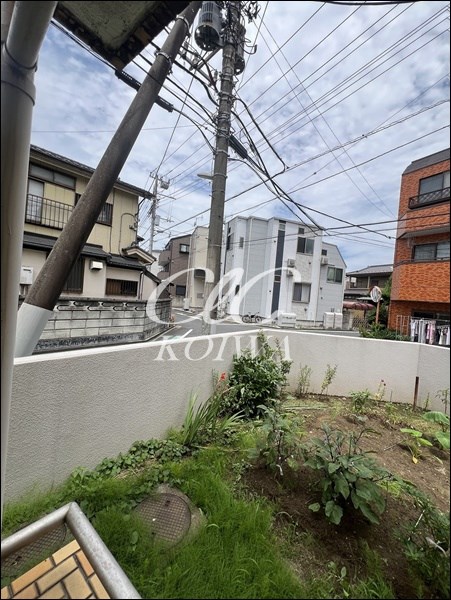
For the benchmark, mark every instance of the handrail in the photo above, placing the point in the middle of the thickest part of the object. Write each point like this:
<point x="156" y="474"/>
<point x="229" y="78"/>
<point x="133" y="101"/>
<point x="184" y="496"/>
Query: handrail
<point x="113" y="578"/>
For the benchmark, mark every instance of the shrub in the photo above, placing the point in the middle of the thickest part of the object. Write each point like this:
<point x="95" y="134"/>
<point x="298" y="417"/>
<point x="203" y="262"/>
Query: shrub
<point x="349" y="475"/>
<point x="328" y="378"/>
<point x="255" y="381"/>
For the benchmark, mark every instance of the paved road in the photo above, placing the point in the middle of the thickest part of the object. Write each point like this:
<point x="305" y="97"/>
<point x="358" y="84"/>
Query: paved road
<point x="189" y="325"/>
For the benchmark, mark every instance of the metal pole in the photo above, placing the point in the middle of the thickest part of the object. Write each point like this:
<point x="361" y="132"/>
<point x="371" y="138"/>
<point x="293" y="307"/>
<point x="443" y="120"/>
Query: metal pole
<point x="24" y="29"/>
<point x="215" y="228"/>
<point x="43" y="294"/>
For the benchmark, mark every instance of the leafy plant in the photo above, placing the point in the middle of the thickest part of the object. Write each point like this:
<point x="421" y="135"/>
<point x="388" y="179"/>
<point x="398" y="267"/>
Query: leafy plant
<point x="204" y="423"/>
<point x="360" y="400"/>
<point x="255" y="380"/>
<point x="349" y="475"/>
<point x="328" y="378"/>
<point x="415" y="442"/>
<point x="442" y="437"/>
<point x="305" y="373"/>
<point x="280" y="444"/>
<point x="380" y="332"/>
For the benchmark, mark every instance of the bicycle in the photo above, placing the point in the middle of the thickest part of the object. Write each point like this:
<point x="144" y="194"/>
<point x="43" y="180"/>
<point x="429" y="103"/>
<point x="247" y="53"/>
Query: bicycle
<point x="252" y="318"/>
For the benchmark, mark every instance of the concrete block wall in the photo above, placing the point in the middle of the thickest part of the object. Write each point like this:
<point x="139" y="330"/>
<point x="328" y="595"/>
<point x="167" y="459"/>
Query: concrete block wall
<point x="84" y="323"/>
<point x="72" y="409"/>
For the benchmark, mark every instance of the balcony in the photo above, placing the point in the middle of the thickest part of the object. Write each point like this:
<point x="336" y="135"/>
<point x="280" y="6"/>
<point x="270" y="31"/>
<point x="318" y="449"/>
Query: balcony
<point x="47" y="213"/>
<point x="430" y="198"/>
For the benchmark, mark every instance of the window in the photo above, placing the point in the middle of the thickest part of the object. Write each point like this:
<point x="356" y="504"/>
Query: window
<point x="434" y="183"/>
<point x="33" y="212"/>
<point x="305" y="245"/>
<point x="74" y="283"/>
<point x="241" y="242"/>
<point x="301" y="231"/>
<point x="184" y="249"/>
<point x="229" y="240"/>
<point x="121" y="287"/>
<point x="282" y="225"/>
<point x="106" y="214"/>
<point x="323" y="252"/>
<point x="180" y="290"/>
<point x="439" y="251"/>
<point x="334" y="275"/>
<point x="52" y="176"/>
<point x="301" y="292"/>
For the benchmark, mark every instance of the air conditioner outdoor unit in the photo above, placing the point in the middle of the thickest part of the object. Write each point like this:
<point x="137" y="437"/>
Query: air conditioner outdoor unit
<point x="291" y="262"/>
<point x="324" y="260"/>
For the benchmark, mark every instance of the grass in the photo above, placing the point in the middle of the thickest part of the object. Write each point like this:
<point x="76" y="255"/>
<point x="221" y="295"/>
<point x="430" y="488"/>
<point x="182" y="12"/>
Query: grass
<point x="239" y="551"/>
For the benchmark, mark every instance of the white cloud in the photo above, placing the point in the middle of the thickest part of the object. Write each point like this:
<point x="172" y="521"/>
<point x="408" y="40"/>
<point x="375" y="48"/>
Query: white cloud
<point x="80" y="103"/>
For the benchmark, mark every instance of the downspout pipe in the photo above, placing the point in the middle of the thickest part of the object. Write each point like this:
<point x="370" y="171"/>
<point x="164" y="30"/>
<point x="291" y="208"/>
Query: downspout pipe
<point x="23" y="30"/>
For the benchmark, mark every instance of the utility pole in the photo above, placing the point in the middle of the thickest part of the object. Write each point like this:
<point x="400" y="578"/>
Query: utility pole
<point x="226" y="99"/>
<point x="40" y="301"/>
<point x="153" y="210"/>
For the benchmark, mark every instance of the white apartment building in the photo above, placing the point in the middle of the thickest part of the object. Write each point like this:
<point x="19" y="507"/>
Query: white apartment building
<point x="285" y="267"/>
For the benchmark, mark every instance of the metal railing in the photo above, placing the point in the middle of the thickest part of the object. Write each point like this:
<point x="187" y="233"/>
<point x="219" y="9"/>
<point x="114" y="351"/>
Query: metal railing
<point x="113" y="578"/>
<point x="47" y="213"/>
<point x="429" y="198"/>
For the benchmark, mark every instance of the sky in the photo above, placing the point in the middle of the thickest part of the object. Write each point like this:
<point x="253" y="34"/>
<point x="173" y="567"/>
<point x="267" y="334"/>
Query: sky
<point x="335" y="101"/>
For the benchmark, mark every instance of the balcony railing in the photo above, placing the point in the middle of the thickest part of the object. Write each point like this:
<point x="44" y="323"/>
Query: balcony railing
<point x="429" y="198"/>
<point x="47" y="213"/>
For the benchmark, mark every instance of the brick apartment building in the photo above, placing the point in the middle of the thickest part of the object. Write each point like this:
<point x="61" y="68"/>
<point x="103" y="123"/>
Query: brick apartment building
<point x="421" y="274"/>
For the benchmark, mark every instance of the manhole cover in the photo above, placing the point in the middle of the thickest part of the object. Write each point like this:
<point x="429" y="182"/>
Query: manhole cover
<point x="34" y="552"/>
<point x="168" y="516"/>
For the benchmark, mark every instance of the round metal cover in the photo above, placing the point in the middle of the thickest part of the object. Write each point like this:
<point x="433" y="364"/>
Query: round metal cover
<point x="168" y="516"/>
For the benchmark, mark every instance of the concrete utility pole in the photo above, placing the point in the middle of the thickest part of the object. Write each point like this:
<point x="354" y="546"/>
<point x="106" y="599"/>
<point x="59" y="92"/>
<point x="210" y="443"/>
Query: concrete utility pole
<point x="226" y="99"/>
<point x="40" y="301"/>
<point x="153" y="210"/>
<point x="153" y="213"/>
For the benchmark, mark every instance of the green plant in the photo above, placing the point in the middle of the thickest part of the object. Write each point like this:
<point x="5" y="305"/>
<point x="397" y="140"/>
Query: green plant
<point x="305" y="373"/>
<point x="204" y="423"/>
<point x="255" y="380"/>
<point x="427" y="544"/>
<point x="442" y="419"/>
<point x="360" y="400"/>
<point x="280" y="443"/>
<point x="380" y="332"/>
<point x="349" y="475"/>
<point x="328" y="378"/>
<point x="443" y="396"/>
<point x="415" y="442"/>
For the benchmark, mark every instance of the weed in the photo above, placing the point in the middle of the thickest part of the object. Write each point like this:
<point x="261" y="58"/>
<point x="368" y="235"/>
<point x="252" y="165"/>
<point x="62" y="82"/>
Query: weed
<point x="305" y="373"/>
<point x="328" y="378"/>
<point x="427" y="543"/>
<point x="443" y="396"/>
<point x="361" y="400"/>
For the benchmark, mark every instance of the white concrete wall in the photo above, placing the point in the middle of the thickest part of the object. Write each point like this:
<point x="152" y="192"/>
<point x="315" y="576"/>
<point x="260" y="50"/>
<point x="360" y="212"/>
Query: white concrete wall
<point x="74" y="408"/>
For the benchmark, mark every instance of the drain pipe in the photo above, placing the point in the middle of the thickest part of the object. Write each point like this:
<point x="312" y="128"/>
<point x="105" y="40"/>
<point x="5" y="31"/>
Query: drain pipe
<point x="23" y="28"/>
